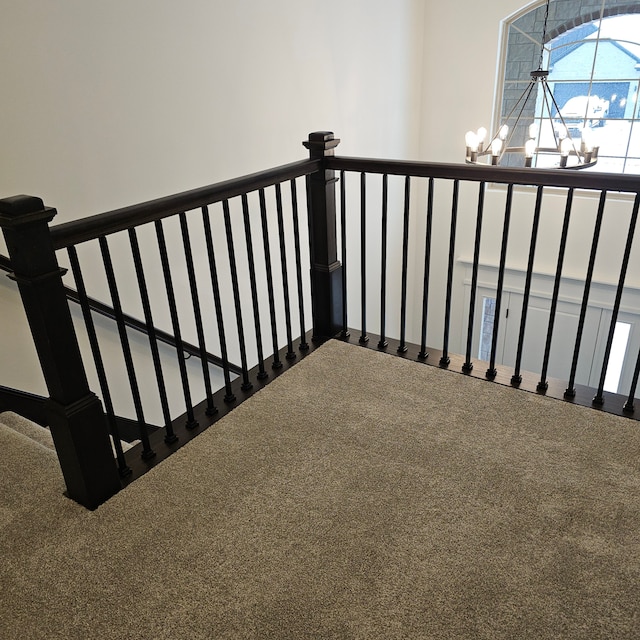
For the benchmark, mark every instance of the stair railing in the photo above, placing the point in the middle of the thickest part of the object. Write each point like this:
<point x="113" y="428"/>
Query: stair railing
<point x="79" y="424"/>
<point x="76" y="416"/>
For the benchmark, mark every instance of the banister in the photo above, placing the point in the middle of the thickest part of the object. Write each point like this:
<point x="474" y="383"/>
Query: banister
<point x="102" y="224"/>
<point x="73" y="412"/>
<point x="501" y="175"/>
<point x="133" y="323"/>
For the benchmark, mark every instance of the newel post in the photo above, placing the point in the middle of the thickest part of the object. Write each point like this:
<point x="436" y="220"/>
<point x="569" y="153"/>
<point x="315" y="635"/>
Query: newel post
<point x="326" y="269"/>
<point x="73" y="411"/>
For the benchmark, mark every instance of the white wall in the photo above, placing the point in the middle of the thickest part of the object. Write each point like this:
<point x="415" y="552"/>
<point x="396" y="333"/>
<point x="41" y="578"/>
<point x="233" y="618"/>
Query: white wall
<point x="110" y="103"/>
<point x="105" y="104"/>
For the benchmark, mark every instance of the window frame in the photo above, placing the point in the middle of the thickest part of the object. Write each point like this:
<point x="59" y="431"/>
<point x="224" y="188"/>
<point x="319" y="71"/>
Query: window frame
<point x="516" y="42"/>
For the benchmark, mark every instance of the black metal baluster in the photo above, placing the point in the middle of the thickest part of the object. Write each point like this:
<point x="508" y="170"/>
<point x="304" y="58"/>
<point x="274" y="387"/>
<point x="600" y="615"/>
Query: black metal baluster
<point x="170" y="436"/>
<point x="468" y="365"/>
<point x="423" y="355"/>
<point x="195" y="301"/>
<point x="599" y="398"/>
<point x="402" y="348"/>
<point x="383" y="265"/>
<point x="213" y="271"/>
<point x="304" y="346"/>
<point x="175" y="323"/>
<point x="629" y="405"/>
<point x="123" y="468"/>
<point x="445" y="360"/>
<point x="492" y="371"/>
<point x="246" y="384"/>
<point x="343" y="241"/>
<point x="277" y="363"/>
<point x="147" y="451"/>
<point x="543" y="384"/>
<point x="254" y="288"/>
<point x="516" y="378"/>
<point x="364" y="338"/>
<point x="571" y="391"/>
<point x="291" y="354"/>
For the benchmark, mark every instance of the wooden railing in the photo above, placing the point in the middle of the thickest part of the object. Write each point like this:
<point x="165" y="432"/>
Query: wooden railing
<point x="180" y="255"/>
<point x="556" y="184"/>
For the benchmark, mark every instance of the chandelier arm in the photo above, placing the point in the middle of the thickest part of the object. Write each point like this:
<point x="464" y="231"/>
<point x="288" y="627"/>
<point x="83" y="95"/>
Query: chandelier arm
<point x="546" y="92"/>
<point x="527" y="92"/>
<point x="524" y="104"/>
<point x="555" y="104"/>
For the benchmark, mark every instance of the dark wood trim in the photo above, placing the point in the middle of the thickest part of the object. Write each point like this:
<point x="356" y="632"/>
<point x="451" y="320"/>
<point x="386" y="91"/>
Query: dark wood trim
<point x="326" y="269"/>
<point x="28" y="405"/>
<point x="32" y="407"/>
<point x="163" y="336"/>
<point x="133" y="323"/>
<point x="89" y="228"/>
<point x="5" y="263"/>
<point x="487" y="173"/>
<point x="85" y="455"/>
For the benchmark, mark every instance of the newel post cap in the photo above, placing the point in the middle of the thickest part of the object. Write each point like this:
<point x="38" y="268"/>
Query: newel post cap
<point x="19" y="210"/>
<point x="321" y="143"/>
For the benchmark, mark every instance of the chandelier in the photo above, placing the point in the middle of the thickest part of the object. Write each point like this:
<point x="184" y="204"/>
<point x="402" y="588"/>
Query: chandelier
<point x="560" y="149"/>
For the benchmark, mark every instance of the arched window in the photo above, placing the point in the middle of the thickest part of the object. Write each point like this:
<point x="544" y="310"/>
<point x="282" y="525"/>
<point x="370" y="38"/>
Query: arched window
<point x="592" y="52"/>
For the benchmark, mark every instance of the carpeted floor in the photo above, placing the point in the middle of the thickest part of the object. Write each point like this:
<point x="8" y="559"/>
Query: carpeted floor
<point x="357" y="496"/>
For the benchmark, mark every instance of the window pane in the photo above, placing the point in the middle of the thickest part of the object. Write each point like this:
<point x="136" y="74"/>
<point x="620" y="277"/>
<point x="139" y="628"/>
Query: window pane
<point x="486" y="328"/>
<point x="594" y="72"/>
<point x="613" y="138"/>
<point x="616" y="358"/>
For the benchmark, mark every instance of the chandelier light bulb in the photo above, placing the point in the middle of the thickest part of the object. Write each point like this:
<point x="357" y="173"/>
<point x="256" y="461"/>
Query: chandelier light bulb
<point x="533" y="130"/>
<point x="482" y="136"/>
<point x="587" y="146"/>
<point x="504" y="132"/>
<point x="587" y="143"/>
<point x="530" y="148"/>
<point x="496" y="148"/>
<point x="471" y="140"/>
<point x="565" y="150"/>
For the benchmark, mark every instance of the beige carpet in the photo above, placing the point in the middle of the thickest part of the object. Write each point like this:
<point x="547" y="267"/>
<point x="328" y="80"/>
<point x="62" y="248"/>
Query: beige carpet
<point x="358" y="496"/>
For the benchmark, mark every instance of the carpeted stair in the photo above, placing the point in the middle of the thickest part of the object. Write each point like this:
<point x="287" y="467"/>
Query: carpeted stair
<point x="31" y="480"/>
<point x="27" y="428"/>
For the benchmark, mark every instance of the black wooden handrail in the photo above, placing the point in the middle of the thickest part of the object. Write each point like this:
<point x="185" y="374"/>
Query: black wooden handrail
<point x="77" y="231"/>
<point x="133" y="323"/>
<point x="488" y="173"/>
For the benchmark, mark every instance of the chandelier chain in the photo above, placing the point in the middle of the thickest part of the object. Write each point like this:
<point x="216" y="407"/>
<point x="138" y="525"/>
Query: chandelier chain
<point x="544" y="35"/>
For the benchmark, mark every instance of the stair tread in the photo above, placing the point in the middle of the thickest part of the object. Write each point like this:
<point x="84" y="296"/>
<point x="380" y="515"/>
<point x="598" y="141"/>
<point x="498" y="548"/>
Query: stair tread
<point x="27" y="428"/>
